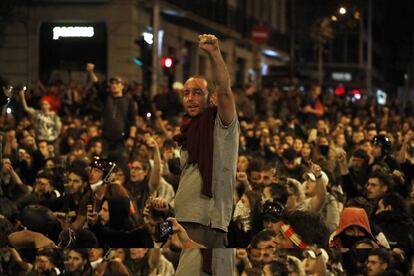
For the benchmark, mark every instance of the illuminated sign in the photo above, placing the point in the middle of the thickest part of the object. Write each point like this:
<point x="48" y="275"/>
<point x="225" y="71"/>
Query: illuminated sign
<point x="341" y="76"/>
<point x="73" y="31"/>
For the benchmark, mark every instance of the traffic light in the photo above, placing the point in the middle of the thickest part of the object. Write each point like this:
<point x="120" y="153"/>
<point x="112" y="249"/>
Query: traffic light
<point x="168" y="65"/>
<point x="143" y="60"/>
<point x="167" y="62"/>
<point x="138" y="61"/>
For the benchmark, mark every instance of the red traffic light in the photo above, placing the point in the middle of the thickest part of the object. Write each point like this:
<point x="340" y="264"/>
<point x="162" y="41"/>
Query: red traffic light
<point x="339" y="90"/>
<point x="167" y="62"/>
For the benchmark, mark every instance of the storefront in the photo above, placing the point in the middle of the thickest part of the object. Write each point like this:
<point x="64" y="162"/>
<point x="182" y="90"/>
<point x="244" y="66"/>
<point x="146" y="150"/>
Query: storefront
<point x="65" y="48"/>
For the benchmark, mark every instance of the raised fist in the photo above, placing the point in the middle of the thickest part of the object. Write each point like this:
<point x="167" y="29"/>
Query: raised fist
<point x="208" y="43"/>
<point x="90" y="67"/>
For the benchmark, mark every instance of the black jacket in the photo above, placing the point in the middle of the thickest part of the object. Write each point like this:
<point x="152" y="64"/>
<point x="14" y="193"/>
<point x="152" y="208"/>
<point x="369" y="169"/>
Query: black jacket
<point x="109" y="237"/>
<point x="398" y="228"/>
<point x="118" y="115"/>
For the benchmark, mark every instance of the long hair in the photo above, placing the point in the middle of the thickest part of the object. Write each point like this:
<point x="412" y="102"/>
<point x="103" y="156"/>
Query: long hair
<point x="115" y="268"/>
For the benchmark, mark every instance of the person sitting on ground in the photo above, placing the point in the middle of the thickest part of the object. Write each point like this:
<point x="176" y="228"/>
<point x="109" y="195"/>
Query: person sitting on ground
<point x="113" y="226"/>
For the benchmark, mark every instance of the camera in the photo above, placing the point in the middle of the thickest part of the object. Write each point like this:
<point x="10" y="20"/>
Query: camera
<point x="163" y="230"/>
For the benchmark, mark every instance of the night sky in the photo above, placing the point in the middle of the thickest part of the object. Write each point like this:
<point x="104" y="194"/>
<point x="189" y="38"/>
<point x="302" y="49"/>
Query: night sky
<point x="395" y="30"/>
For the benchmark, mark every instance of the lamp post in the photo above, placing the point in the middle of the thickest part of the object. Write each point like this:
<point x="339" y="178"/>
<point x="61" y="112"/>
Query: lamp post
<point x="155" y="57"/>
<point x="369" y="49"/>
<point x="321" y="33"/>
<point x="292" y="41"/>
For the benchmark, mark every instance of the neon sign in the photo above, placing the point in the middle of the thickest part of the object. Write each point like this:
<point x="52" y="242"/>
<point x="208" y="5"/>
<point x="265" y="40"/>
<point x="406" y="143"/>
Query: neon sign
<point x="73" y="31"/>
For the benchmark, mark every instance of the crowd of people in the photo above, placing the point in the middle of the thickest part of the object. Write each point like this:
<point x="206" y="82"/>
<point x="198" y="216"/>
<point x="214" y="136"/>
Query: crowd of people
<point x="104" y="180"/>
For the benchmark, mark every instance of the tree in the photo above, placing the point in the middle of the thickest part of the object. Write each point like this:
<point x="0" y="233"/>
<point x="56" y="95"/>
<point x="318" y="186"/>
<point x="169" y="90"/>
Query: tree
<point x="321" y="33"/>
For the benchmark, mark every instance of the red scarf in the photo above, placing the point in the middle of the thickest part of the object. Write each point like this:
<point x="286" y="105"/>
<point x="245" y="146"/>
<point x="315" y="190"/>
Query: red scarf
<point x="197" y="138"/>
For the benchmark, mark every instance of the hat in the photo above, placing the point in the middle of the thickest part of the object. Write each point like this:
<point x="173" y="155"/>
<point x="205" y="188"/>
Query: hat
<point x="46" y="174"/>
<point x="361" y="154"/>
<point x="272" y="210"/>
<point x="289" y="154"/>
<point x="104" y="165"/>
<point x="382" y="141"/>
<point x="312" y="177"/>
<point x="117" y="79"/>
<point x="310" y="253"/>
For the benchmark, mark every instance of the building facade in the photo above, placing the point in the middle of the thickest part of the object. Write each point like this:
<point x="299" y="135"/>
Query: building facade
<point x="53" y="40"/>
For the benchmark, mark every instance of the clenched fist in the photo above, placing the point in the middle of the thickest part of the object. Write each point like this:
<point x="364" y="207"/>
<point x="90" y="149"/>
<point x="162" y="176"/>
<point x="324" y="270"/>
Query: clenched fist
<point x="90" y="67"/>
<point x="208" y="43"/>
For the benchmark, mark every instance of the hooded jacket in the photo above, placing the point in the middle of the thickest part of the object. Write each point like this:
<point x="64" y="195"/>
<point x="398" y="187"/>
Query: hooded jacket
<point x="351" y="217"/>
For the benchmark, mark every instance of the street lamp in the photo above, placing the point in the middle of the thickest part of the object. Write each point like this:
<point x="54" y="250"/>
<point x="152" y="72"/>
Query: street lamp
<point x="342" y="10"/>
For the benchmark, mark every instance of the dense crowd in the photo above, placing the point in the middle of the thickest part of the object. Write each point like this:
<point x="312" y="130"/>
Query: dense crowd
<point x="90" y="166"/>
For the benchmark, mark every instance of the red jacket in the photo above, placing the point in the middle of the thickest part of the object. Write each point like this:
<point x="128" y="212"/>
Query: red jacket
<point x="351" y="217"/>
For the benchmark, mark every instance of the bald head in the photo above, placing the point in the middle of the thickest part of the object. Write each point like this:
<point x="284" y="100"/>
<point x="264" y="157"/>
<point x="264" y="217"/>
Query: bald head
<point x="195" y="95"/>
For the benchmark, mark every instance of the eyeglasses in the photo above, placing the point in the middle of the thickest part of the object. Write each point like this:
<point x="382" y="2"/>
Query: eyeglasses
<point x="137" y="168"/>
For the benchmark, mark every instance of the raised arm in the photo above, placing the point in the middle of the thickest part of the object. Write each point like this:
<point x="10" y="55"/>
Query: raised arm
<point x="319" y="198"/>
<point x="401" y="156"/>
<point x="155" y="177"/>
<point x="320" y="266"/>
<point x="154" y="258"/>
<point x="25" y="238"/>
<point x="24" y="102"/>
<point x="15" y="178"/>
<point x="225" y="99"/>
<point x="90" y="67"/>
